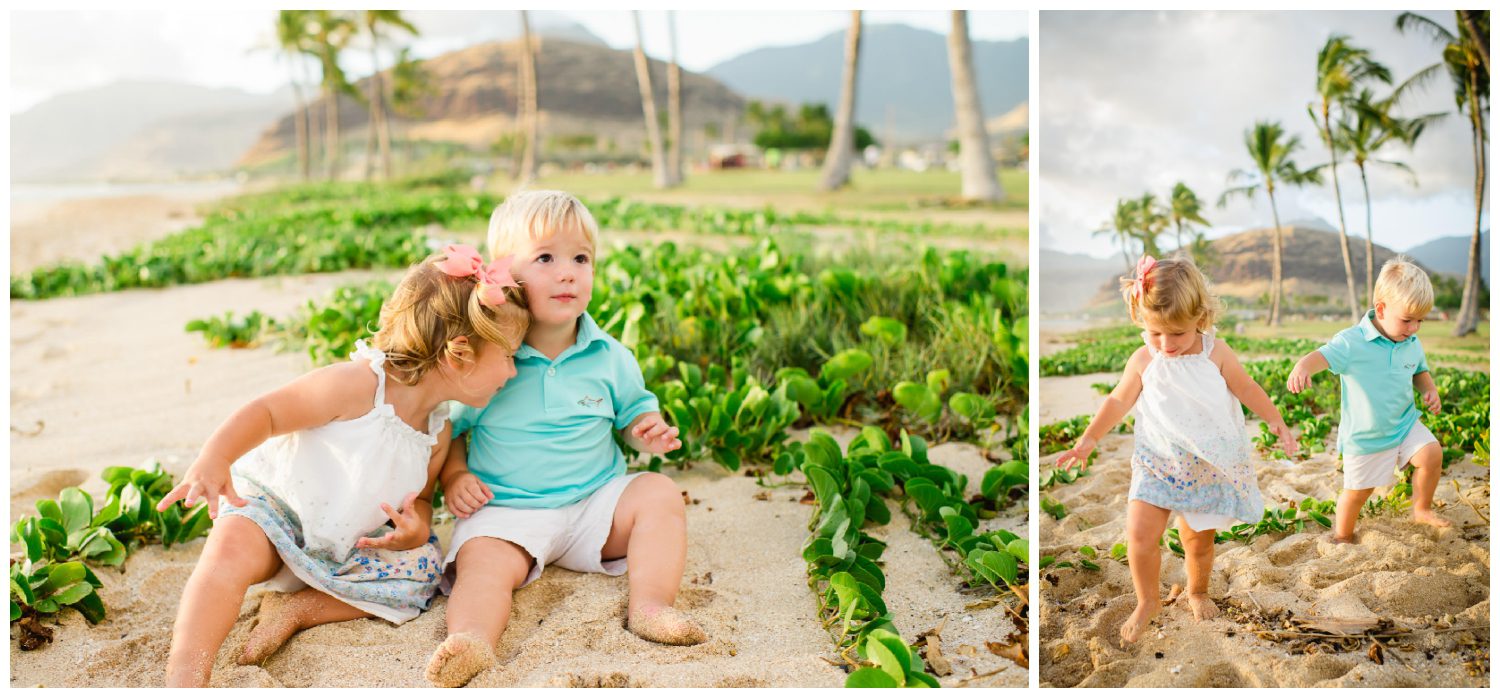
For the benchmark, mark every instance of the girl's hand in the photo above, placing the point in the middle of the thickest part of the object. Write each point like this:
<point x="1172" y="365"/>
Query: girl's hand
<point x="411" y="531"/>
<point x="1077" y="456"/>
<point x="1434" y="403"/>
<point x="655" y="436"/>
<point x="205" y="479"/>
<point x="1284" y="438"/>
<point x="467" y="495"/>
<point x="1299" y="379"/>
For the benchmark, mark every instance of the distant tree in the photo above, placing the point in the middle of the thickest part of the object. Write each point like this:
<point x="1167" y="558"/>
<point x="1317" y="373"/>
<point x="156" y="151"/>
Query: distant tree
<point x="980" y="183"/>
<point x="1341" y="68"/>
<point x="1270" y="148"/>
<point x="674" y="106"/>
<point x="810" y="129"/>
<point x="295" y="43"/>
<point x="374" y="21"/>
<point x="1150" y="221"/>
<point x="1122" y="228"/>
<point x="530" y="116"/>
<point x="1465" y="56"/>
<point x="1185" y="208"/>
<point x="331" y="32"/>
<point x="648" y="105"/>
<point x="841" y="148"/>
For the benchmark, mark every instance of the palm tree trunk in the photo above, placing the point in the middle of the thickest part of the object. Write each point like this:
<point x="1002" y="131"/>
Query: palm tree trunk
<point x="977" y="168"/>
<point x="1468" y="313"/>
<point x="1179" y="237"/>
<point x="648" y="105"/>
<point x="1369" y="242"/>
<point x="529" y="102"/>
<point x="331" y="131"/>
<point x="1275" y="318"/>
<point x="378" y="135"/>
<point x="674" y="108"/>
<point x="299" y="128"/>
<point x="1338" y="198"/>
<point x="841" y="148"/>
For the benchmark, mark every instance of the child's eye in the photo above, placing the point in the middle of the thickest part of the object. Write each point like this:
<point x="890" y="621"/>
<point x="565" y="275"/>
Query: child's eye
<point x="544" y="257"/>
<point x="581" y="259"/>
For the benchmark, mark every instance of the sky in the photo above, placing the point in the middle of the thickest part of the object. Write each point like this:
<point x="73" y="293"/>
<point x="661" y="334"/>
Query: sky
<point x="55" y="52"/>
<point x="1137" y="101"/>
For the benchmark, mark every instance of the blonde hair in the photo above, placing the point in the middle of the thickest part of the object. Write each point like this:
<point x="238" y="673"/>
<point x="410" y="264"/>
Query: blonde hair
<point x="1176" y="295"/>
<point x="1404" y="283"/>
<point x="430" y="309"/>
<point x="537" y="215"/>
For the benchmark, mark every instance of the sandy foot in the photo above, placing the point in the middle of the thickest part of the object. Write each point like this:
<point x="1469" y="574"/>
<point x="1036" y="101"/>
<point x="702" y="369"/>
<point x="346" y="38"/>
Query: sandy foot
<point x="1203" y="607"/>
<point x="1430" y="518"/>
<point x="1131" y="629"/>
<point x="458" y="659"/>
<point x="666" y="625"/>
<point x="275" y="623"/>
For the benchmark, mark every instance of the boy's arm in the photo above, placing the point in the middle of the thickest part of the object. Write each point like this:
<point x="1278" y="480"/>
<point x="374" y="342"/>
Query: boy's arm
<point x="649" y="433"/>
<point x="1115" y="407"/>
<point x="1428" y="389"/>
<point x="1302" y="373"/>
<point x="455" y="463"/>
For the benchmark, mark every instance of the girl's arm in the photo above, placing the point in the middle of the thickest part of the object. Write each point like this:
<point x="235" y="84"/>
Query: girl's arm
<point x="336" y="392"/>
<point x="1248" y="392"/>
<point x="1114" y="409"/>
<point x="413" y="521"/>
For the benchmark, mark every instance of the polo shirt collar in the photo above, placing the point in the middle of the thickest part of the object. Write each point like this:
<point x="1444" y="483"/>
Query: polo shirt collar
<point x="1372" y="333"/>
<point x="588" y="333"/>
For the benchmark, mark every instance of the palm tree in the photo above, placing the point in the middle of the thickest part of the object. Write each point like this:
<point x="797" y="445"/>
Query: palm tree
<point x="1468" y="66"/>
<point x="1150" y="223"/>
<point x="1270" y="147"/>
<point x="648" y="105"/>
<point x="1341" y="67"/>
<point x="528" y="104"/>
<point x="410" y="84"/>
<point x="841" y="147"/>
<point x="373" y="21"/>
<point x="1183" y="209"/>
<point x="674" y="107"/>
<point x="331" y="32"/>
<point x="1122" y="228"/>
<point x="979" y="180"/>
<point x="292" y="40"/>
<point x="1367" y="127"/>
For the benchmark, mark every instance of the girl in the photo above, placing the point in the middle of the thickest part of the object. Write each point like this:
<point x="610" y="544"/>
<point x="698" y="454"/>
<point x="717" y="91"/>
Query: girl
<point x="1191" y="452"/>
<point x="310" y="469"/>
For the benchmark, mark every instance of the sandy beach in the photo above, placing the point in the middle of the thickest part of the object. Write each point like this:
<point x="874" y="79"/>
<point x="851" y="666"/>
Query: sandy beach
<point x="114" y="380"/>
<point x="1431" y="587"/>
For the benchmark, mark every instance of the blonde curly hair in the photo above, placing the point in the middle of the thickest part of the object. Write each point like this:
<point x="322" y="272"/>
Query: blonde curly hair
<point x="1176" y="295"/>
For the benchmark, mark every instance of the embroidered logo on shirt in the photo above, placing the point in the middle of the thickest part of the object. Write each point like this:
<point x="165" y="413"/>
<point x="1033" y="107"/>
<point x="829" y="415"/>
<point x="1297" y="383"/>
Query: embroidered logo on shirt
<point x="587" y="401"/>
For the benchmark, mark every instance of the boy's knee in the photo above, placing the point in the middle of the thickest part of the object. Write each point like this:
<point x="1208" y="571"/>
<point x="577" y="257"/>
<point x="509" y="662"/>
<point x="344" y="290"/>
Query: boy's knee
<point x="494" y="558"/>
<point x="1429" y="456"/>
<point x="658" y="493"/>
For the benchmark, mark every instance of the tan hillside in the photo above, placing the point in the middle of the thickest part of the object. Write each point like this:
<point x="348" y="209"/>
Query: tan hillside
<point x="582" y="89"/>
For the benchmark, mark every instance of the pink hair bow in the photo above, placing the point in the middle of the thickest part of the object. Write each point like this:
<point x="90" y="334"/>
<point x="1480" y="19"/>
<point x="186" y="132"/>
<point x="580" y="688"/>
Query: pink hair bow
<point x="464" y="260"/>
<point x="1142" y="268"/>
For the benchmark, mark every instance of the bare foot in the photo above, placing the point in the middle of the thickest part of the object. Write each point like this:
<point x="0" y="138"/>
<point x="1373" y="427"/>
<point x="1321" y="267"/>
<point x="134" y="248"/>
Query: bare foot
<point x="1203" y="607"/>
<point x="458" y="659"/>
<point x="1353" y="539"/>
<point x="1136" y="624"/>
<point x="275" y="623"/>
<point x="1430" y="518"/>
<point x="666" y="625"/>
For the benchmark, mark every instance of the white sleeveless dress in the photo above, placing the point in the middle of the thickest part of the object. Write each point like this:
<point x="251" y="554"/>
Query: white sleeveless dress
<point x="1191" y="451"/>
<point x="316" y="492"/>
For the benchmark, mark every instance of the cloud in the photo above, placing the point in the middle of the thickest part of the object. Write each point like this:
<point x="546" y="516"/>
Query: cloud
<point x="1136" y="101"/>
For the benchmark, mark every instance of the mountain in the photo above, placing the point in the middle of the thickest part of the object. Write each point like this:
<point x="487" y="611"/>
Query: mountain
<point x="582" y="88"/>
<point x="137" y="129"/>
<point x="1451" y="255"/>
<point x="1070" y="281"/>
<point x="904" y="89"/>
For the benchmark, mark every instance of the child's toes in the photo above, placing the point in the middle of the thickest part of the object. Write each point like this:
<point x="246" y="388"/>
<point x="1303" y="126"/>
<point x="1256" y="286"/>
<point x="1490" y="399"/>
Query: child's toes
<point x="666" y="625"/>
<point x="458" y="659"/>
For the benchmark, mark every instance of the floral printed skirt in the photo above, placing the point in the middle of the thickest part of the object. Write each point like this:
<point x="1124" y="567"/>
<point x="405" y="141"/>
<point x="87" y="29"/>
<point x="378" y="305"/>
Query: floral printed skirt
<point x="394" y="585"/>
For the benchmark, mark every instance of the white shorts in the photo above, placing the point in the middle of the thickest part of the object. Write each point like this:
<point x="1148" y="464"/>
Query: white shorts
<point x="1371" y="470"/>
<point x="571" y="537"/>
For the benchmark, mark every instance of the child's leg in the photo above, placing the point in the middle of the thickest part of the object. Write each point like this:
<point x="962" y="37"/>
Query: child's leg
<point x="283" y="615"/>
<point x="1198" y="549"/>
<point x="237" y="555"/>
<point x="1144" y="524"/>
<point x="1427" y="470"/>
<point x="1347" y="512"/>
<point x="488" y="571"/>
<point x="650" y="529"/>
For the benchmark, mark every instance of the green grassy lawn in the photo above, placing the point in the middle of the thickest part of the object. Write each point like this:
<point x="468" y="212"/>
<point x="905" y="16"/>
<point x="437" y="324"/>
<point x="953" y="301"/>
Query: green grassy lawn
<point x="1437" y="336"/>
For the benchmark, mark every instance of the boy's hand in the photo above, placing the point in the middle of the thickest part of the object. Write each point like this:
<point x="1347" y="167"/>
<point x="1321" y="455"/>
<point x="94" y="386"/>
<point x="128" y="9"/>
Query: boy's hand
<point x="467" y="495"/>
<point x="1299" y="379"/>
<point x="1284" y="439"/>
<point x="1077" y="456"/>
<point x="1434" y="403"/>
<point x="411" y="531"/>
<point x="654" y="436"/>
<point x="205" y="479"/>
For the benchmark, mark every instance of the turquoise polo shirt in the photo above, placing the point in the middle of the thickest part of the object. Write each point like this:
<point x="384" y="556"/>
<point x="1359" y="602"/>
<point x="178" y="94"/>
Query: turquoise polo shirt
<point x="546" y="439"/>
<point x="1376" y="407"/>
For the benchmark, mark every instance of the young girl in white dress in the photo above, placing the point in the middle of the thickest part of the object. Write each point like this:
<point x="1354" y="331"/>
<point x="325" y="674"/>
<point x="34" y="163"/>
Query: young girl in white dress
<point x="311" y="471"/>
<point x="1191" y="454"/>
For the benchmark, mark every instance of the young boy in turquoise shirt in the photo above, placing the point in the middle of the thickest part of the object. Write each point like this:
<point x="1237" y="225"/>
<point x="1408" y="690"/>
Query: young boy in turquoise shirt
<point x="1378" y="362"/>
<point x="543" y="481"/>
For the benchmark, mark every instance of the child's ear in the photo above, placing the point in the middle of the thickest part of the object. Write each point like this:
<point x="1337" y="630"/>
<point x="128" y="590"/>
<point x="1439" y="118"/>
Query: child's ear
<point x="1380" y="310"/>
<point x="460" y="352"/>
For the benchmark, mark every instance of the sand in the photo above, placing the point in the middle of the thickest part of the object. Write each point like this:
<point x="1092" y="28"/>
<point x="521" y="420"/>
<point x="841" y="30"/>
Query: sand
<point x="114" y="380"/>
<point x="1413" y="575"/>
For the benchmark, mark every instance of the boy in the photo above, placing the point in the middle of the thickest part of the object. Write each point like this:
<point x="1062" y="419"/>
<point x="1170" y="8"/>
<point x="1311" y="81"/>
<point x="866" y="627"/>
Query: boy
<point x="1378" y="362"/>
<point x="544" y="481"/>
